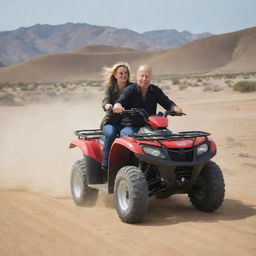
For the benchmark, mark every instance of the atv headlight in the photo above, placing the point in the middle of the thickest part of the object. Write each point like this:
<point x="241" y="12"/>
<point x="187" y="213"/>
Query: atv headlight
<point x="156" y="152"/>
<point x="202" y="149"/>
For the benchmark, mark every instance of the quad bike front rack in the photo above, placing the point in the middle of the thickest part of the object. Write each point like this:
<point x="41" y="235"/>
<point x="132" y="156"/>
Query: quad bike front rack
<point x="97" y="133"/>
<point x="171" y="136"/>
<point x="89" y="134"/>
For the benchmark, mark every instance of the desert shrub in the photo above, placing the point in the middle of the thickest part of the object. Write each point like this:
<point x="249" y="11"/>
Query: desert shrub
<point x="95" y="83"/>
<point x="230" y="76"/>
<point x="216" y="76"/>
<point x="63" y="85"/>
<point x="183" y="87"/>
<point x="156" y="81"/>
<point x="195" y="85"/>
<point x="212" y="88"/>
<point x="228" y="82"/>
<point x="243" y="155"/>
<point x="100" y="88"/>
<point x="23" y="87"/>
<point x="51" y="92"/>
<point x="165" y="87"/>
<point x="245" y="86"/>
<point x="7" y="98"/>
<point x="175" y="81"/>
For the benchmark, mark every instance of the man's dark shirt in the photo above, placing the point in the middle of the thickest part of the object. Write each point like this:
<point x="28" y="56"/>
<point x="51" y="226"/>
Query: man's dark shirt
<point x="131" y="97"/>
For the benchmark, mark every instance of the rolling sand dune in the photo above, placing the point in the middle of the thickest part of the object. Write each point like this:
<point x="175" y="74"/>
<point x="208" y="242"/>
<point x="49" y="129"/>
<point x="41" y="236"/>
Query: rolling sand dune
<point x="38" y="217"/>
<point x="226" y="53"/>
<point x="83" y="63"/>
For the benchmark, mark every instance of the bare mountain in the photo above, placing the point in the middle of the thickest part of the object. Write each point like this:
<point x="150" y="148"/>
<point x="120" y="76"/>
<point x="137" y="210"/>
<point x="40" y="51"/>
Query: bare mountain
<point x="227" y="53"/>
<point x="172" y="38"/>
<point x="26" y="43"/>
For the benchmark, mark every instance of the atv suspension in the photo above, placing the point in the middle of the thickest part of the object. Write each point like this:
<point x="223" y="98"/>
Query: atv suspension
<point x="154" y="180"/>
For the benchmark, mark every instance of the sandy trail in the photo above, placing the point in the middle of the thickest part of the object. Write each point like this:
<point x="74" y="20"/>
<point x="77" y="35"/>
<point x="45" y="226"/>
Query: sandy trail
<point x="37" y="216"/>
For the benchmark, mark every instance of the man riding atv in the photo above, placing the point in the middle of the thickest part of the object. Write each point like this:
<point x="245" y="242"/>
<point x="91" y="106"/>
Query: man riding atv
<point x="142" y="95"/>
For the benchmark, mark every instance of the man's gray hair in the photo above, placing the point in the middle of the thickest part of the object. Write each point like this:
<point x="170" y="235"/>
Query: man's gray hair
<point x="145" y="67"/>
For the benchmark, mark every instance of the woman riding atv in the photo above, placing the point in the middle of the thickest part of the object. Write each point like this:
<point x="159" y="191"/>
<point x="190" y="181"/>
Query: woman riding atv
<point x="116" y="78"/>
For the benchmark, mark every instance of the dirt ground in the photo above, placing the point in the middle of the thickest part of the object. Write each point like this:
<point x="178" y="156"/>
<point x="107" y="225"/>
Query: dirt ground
<point x="38" y="217"/>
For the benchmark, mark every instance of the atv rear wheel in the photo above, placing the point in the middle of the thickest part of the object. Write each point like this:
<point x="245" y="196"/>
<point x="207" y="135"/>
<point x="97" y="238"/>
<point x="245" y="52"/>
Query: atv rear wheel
<point x="208" y="193"/>
<point x="131" y="194"/>
<point x="81" y="193"/>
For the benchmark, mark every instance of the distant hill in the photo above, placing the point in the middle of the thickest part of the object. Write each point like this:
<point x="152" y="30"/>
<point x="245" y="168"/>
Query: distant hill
<point x="227" y="53"/>
<point x="172" y="38"/>
<point x="26" y="43"/>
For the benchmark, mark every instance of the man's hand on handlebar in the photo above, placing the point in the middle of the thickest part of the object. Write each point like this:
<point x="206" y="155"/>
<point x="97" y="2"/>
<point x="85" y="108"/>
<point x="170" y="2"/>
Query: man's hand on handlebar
<point x="174" y="111"/>
<point x="118" y="108"/>
<point x="177" y="109"/>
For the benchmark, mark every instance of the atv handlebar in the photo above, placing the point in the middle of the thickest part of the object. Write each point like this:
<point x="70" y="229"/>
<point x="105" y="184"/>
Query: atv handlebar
<point x="144" y="113"/>
<point x="173" y="113"/>
<point x="134" y="111"/>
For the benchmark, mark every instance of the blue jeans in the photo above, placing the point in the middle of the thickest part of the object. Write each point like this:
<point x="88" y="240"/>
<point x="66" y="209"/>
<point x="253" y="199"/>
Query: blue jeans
<point x="111" y="132"/>
<point x="127" y="130"/>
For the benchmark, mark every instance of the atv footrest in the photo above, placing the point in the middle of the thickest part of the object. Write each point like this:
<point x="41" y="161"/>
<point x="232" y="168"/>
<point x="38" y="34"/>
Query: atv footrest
<point x="101" y="187"/>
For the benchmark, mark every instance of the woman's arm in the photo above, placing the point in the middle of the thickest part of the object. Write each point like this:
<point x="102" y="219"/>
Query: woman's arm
<point x="106" y="102"/>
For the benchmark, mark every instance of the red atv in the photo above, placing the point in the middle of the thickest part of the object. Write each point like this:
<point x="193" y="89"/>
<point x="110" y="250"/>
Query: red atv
<point x="152" y="162"/>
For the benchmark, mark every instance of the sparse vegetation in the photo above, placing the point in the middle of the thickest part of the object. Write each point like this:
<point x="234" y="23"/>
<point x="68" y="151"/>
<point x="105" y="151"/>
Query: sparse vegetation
<point x="22" y="93"/>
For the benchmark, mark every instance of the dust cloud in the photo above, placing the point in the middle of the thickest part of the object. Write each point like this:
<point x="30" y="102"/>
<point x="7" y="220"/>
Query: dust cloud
<point x="34" y="140"/>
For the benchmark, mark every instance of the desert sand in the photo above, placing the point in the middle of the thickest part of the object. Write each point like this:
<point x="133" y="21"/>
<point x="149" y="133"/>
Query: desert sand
<point x="38" y="217"/>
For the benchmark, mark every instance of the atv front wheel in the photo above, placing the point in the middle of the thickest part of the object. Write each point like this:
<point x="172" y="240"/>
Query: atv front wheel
<point x="208" y="192"/>
<point x="131" y="194"/>
<point x="81" y="193"/>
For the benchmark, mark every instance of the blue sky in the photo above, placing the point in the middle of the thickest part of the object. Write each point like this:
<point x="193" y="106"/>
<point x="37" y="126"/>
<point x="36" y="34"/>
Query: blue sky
<point x="196" y="16"/>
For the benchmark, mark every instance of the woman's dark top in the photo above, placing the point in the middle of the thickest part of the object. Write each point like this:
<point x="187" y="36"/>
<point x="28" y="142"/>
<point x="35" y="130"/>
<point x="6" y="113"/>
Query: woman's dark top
<point x="111" y="95"/>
